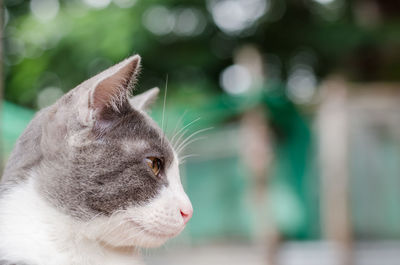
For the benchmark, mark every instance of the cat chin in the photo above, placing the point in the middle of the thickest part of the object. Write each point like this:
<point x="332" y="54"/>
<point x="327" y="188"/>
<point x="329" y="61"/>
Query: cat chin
<point x="146" y="238"/>
<point x="151" y="242"/>
<point x="143" y="241"/>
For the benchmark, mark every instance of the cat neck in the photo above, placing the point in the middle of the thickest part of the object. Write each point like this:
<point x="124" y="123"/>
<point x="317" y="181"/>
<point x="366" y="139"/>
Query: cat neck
<point x="34" y="232"/>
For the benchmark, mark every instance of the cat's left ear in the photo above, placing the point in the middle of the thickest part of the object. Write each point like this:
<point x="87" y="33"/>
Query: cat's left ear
<point x="144" y="100"/>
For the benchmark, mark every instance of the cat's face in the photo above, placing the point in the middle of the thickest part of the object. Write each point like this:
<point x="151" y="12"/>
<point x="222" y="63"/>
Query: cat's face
<point x="109" y="166"/>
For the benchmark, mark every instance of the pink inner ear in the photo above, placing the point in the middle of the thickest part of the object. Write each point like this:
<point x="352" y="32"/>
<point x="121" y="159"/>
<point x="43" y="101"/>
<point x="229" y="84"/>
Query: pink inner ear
<point x="114" y="89"/>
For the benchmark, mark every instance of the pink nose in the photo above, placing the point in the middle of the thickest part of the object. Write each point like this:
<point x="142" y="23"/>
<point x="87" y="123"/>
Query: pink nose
<point x="186" y="215"/>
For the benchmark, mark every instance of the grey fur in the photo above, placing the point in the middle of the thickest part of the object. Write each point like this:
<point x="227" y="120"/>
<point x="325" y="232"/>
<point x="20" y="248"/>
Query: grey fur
<point x="80" y="161"/>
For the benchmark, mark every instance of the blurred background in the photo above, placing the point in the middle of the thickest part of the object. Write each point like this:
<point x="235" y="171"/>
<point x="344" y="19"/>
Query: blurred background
<point x="290" y="109"/>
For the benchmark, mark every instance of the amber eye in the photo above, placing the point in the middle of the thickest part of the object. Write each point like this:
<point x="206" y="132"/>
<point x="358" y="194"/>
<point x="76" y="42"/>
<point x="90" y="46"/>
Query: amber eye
<point x="155" y="164"/>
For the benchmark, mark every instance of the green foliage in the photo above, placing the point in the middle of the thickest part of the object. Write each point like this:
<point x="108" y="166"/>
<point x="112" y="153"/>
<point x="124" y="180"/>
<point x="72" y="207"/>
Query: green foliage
<point x="81" y="41"/>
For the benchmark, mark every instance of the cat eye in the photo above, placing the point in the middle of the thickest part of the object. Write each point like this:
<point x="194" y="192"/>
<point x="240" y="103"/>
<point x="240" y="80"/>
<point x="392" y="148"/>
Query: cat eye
<point x="155" y="164"/>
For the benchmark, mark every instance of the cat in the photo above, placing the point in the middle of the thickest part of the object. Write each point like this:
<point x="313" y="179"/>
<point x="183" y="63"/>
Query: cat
<point x="92" y="179"/>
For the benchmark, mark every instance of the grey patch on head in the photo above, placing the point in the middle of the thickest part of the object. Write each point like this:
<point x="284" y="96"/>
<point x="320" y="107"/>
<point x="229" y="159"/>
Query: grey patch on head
<point x="94" y="175"/>
<point x="102" y="178"/>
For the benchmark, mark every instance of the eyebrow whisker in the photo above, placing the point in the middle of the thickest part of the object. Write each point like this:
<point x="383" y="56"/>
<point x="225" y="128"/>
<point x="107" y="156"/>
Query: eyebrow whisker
<point x="179" y="122"/>
<point x="180" y="130"/>
<point x="183" y="159"/>
<point x="183" y="144"/>
<point x="163" y="112"/>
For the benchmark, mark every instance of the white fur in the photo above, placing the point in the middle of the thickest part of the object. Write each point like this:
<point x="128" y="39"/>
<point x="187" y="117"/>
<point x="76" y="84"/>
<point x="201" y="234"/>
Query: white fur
<point x="33" y="231"/>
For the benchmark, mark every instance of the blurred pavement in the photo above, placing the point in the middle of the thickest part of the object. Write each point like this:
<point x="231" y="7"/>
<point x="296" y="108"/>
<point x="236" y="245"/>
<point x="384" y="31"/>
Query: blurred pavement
<point x="293" y="253"/>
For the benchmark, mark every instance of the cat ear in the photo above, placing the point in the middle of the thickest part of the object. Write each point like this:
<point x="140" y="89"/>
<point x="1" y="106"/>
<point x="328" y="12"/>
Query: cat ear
<point x="144" y="100"/>
<point x="112" y="91"/>
<point x="107" y="93"/>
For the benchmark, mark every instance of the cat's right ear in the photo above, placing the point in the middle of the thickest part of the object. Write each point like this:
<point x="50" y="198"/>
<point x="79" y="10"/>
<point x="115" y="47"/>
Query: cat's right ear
<point x="105" y="95"/>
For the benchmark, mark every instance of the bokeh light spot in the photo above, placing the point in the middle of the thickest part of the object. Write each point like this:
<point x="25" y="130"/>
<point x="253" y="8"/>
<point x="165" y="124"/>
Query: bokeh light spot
<point x="159" y="20"/>
<point x="324" y="2"/>
<point x="125" y="3"/>
<point x="301" y="84"/>
<point x="235" y="79"/>
<point x="44" y="10"/>
<point x="189" y="21"/>
<point x="99" y="4"/>
<point x="234" y="16"/>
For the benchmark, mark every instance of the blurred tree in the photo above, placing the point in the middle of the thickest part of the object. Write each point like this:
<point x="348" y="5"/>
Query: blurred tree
<point x="58" y="44"/>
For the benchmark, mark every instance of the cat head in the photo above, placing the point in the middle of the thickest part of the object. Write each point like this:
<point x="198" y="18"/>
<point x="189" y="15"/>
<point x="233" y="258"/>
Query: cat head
<point x="109" y="166"/>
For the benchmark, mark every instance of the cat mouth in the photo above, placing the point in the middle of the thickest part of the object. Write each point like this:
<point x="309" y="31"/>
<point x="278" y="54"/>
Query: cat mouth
<point x="155" y="232"/>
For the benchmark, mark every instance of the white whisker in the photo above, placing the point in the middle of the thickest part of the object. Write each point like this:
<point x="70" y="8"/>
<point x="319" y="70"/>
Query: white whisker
<point x="163" y="112"/>
<point x="180" y="149"/>
<point x="179" y="139"/>
<point x="191" y="136"/>
<point x="165" y="100"/>
<point x="179" y="122"/>
<point x="182" y="159"/>
<point x="183" y="128"/>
